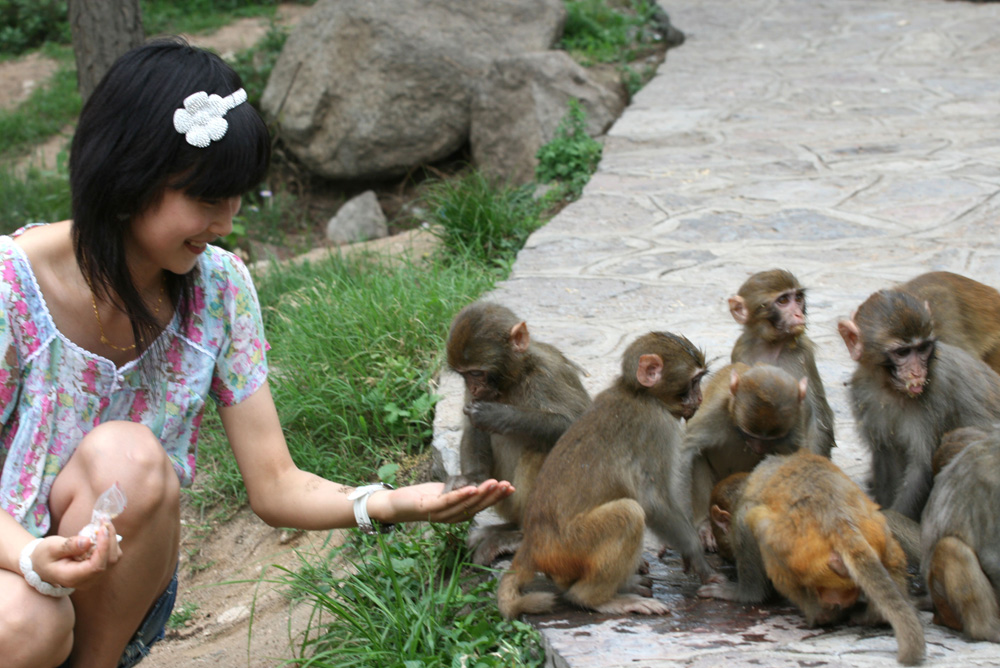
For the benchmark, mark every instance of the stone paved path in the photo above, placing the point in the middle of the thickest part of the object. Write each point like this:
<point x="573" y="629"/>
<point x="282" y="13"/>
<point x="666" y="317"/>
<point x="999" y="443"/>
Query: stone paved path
<point x="853" y="142"/>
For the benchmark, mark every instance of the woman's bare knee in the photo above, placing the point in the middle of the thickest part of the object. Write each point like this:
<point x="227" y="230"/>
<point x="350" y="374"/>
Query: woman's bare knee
<point x="125" y="453"/>
<point x="35" y="630"/>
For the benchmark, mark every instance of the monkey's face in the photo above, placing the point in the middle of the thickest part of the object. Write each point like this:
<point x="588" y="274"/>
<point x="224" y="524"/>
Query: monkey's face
<point x="690" y="398"/>
<point x="787" y="312"/>
<point x="480" y="385"/>
<point x="768" y="445"/>
<point x="908" y="363"/>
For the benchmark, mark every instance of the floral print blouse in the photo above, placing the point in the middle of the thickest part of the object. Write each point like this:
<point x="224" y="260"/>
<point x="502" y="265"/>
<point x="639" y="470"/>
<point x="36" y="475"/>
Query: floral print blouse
<point x="53" y="392"/>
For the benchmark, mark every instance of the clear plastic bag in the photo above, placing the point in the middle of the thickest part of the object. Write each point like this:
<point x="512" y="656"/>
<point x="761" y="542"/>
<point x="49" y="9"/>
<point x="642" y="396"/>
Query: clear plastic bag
<point x="109" y="505"/>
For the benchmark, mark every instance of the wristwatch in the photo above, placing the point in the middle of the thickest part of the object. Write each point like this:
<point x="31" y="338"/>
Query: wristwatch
<point x="360" y="498"/>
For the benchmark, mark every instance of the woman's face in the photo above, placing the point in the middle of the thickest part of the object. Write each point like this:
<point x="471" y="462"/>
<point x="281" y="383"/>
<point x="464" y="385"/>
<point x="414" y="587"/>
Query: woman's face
<point x="172" y="233"/>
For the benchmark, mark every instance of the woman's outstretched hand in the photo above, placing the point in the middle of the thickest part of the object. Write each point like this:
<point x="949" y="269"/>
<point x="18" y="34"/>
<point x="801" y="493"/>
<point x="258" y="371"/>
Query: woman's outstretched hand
<point x="427" y="502"/>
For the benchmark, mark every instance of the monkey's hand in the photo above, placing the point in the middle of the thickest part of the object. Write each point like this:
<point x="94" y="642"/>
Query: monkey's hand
<point x="457" y="482"/>
<point x="706" y="536"/>
<point x="491" y="416"/>
<point x="429" y="502"/>
<point x="726" y="590"/>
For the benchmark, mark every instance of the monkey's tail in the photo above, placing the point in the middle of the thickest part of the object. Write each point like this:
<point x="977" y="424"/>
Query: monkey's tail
<point x="890" y="601"/>
<point x="512" y="602"/>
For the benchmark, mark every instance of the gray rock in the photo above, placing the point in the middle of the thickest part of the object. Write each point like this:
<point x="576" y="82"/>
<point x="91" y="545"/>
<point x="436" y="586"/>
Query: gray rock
<point x="520" y="104"/>
<point x="359" y="219"/>
<point x="369" y="89"/>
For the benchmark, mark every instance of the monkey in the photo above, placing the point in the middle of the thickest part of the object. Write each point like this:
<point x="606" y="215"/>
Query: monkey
<point x="802" y="528"/>
<point x="520" y="396"/>
<point x="966" y="313"/>
<point x="748" y="412"/>
<point x="907" y="390"/>
<point x="961" y="554"/>
<point x="952" y="443"/>
<point x="771" y="306"/>
<point x="604" y="483"/>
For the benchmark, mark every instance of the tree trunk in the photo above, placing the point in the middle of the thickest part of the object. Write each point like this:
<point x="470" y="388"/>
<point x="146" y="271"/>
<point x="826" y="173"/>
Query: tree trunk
<point x="102" y="30"/>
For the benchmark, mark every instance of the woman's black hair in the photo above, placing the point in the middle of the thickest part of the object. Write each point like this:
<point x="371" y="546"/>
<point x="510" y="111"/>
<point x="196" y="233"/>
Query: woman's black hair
<point x="126" y="151"/>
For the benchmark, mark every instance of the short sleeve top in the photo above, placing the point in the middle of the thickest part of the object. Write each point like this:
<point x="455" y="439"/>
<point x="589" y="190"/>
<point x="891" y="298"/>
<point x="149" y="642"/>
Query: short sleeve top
<point x="53" y="392"/>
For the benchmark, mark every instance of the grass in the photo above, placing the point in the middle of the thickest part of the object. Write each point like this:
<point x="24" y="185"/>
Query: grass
<point x="410" y="599"/>
<point x="609" y="31"/>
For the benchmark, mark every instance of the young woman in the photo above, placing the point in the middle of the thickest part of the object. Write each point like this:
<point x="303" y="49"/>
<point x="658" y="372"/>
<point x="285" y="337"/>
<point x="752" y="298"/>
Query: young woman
<point x="115" y="328"/>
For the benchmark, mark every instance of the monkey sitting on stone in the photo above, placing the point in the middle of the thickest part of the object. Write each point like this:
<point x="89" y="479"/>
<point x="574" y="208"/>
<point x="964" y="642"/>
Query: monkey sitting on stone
<point x="603" y="484"/>
<point x="520" y="396"/>
<point x="966" y="313"/>
<point x="748" y="413"/>
<point x="961" y="550"/>
<point x="798" y="525"/>
<point x="771" y="306"/>
<point x="907" y="390"/>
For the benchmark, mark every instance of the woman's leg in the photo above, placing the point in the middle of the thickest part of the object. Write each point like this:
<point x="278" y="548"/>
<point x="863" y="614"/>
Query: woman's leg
<point x="108" y="614"/>
<point x="36" y="631"/>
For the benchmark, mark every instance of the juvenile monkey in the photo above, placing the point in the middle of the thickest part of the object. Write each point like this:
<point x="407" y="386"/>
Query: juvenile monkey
<point x="802" y="527"/>
<point x="961" y="552"/>
<point x="603" y="484"/>
<point x="748" y="413"/>
<point x="966" y="313"/>
<point x="907" y="390"/>
<point x="520" y="396"/>
<point x="771" y="306"/>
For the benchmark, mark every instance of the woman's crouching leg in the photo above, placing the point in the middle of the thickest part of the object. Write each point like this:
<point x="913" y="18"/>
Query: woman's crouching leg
<point x="108" y="613"/>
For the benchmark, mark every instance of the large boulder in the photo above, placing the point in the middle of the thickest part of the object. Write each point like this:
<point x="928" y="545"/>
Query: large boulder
<point x="521" y="103"/>
<point x="369" y="89"/>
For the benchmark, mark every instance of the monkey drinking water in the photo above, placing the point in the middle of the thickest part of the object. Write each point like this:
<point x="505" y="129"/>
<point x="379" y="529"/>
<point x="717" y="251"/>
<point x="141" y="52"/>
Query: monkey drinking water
<point x="801" y="526"/>
<point x="771" y="306"/>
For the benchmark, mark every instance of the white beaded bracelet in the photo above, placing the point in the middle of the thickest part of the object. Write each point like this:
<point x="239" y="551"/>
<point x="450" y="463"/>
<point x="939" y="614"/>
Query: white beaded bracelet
<point x="32" y="578"/>
<point x="360" y="498"/>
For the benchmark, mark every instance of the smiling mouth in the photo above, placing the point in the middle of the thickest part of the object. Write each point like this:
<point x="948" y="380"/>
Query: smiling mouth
<point x="196" y="247"/>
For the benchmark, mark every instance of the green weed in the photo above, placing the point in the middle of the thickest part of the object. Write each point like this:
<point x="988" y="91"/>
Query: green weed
<point x="478" y="221"/>
<point x="572" y="155"/>
<point x="410" y="600"/>
<point x="609" y="31"/>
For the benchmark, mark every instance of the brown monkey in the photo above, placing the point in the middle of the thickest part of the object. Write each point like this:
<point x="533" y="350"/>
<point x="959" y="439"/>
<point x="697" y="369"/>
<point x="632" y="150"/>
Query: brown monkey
<point x="520" y="397"/>
<point x="961" y="555"/>
<point x="907" y="531"/>
<point x="966" y="313"/>
<point x="771" y="306"/>
<point x="907" y="390"/>
<point x="801" y="526"/>
<point x="952" y="443"/>
<point x="748" y="413"/>
<point x="604" y="482"/>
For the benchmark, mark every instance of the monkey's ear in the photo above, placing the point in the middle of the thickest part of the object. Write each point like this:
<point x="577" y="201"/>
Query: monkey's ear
<point x="836" y="563"/>
<point x="851" y="335"/>
<point x="650" y="370"/>
<point x="803" y="387"/>
<point x="734" y="381"/>
<point x="721" y="517"/>
<point x="519" y="338"/>
<point x="738" y="309"/>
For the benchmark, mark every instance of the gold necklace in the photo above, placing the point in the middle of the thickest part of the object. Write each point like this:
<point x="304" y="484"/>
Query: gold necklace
<point x="104" y="339"/>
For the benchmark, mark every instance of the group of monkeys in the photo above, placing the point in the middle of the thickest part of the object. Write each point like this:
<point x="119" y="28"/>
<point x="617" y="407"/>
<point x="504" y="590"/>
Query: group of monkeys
<point x="743" y="467"/>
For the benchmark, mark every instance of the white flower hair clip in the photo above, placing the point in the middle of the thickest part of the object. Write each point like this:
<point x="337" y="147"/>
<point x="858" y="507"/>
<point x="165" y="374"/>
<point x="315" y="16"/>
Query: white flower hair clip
<point x="201" y="120"/>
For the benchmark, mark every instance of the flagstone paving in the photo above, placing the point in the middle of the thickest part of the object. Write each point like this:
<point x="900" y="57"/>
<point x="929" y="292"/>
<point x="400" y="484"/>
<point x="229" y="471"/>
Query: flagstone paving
<point x="853" y="142"/>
